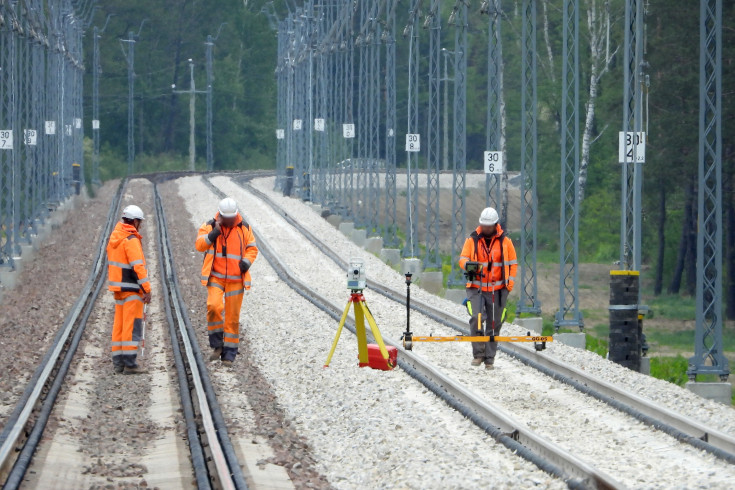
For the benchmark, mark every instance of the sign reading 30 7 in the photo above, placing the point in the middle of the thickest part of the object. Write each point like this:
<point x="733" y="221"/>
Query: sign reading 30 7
<point x="6" y="139"/>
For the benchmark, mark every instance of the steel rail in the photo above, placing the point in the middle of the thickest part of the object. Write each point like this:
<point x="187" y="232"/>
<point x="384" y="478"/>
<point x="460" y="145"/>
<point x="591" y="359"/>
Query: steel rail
<point x="679" y="426"/>
<point x="46" y="382"/>
<point x="491" y="418"/>
<point x="196" y="389"/>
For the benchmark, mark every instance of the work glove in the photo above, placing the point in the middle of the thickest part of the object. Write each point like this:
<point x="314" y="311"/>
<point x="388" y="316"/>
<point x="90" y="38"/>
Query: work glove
<point x="146" y="298"/>
<point x="244" y="266"/>
<point x="509" y="286"/>
<point x="468" y="304"/>
<point x="216" y="231"/>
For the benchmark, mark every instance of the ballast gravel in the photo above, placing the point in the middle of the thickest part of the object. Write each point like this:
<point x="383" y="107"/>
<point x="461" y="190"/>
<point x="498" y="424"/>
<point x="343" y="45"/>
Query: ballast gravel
<point x="367" y="429"/>
<point x="591" y="430"/>
<point x="662" y="392"/>
<point x="32" y="313"/>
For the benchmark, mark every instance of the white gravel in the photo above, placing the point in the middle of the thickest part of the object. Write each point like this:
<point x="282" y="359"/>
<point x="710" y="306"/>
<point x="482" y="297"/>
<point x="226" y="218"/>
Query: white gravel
<point x="592" y="430"/>
<point x="674" y="397"/>
<point x="369" y="429"/>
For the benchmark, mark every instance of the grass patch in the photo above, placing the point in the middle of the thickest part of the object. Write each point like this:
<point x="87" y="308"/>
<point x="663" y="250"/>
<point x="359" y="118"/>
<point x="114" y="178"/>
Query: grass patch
<point x="597" y="345"/>
<point x="684" y="339"/>
<point x="671" y="369"/>
<point x="672" y="306"/>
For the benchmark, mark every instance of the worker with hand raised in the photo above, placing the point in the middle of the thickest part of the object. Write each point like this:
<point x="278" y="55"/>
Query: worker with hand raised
<point x="229" y="250"/>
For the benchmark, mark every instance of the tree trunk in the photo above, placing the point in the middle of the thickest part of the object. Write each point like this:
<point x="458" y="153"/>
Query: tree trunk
<point x="549" y="53"/>
<point x="598" y="67"/>
<point x="681" y="256"/>
<point x="237" y="76"/>
<point x="587" y="134"/>
<point x="659" y="279"/>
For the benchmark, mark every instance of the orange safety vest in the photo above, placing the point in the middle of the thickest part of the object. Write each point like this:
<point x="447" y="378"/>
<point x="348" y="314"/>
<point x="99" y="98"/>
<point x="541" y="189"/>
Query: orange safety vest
<point x="499" y="259"/>
<point x="222" y="257"/>
<point x="126" y="270"/>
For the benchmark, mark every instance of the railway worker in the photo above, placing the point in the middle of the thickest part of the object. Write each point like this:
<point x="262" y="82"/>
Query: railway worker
<point x="487" y="291"/>
<point x="128" y="280"/>
<point x="229" y="250"/>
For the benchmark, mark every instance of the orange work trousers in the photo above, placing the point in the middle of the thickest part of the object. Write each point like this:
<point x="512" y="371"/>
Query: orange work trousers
<point x="127" y="328"/>
<point x="224" y="300"/>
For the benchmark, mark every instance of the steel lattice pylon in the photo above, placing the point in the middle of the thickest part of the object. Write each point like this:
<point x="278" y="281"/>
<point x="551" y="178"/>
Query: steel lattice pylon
<point x="709" y="356"/>
<point x="389" y="227"/>
<point x="209" y="58"/>
<point x="412" y="160"/>
<point x="281" y="86"/>
<point x="321" y="162"/>
<point x="494" y="72"/>
<point x="433" y="159"/>
<point x="373" y="209"/>
<point x="569" y="314"/>
<point x="349" y="118"/>
<point x="459" y="218"/>
<point x="632" y="178"/>
<point x="131" y="101"/>
<point x="40" y="81"/>
<point x="529" y="302"/>
<point x="362" y="130"/>
<point x="9" y="158"/>
<point x="96" y="105"/>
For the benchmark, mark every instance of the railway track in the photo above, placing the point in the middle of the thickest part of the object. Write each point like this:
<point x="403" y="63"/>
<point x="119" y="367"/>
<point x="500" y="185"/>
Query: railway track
<point x="681" y="427"/>
<point x="491" y="418"/>
<point x="23" y="429"/>
<point x="213" y="456"/>
<point x="213" y="460"/>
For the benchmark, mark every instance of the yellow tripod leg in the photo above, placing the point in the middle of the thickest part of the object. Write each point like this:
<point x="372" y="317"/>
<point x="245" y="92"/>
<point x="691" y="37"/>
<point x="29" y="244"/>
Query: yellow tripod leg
<point x="374" y="329"/>
<point x="361" y="334"/>
<point x="339" y="332"/>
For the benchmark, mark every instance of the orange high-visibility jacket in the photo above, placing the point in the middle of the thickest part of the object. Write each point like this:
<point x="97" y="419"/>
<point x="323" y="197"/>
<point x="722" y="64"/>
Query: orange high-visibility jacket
<point x="222" y="257"/>
<point x="499" y="259"/>
<point x="126" y="264"/>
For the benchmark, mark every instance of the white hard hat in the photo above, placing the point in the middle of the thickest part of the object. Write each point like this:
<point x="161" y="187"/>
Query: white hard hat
<point x="489" y="217"/>
<point x="133" y="212"/>
<point x="227" y="208"/>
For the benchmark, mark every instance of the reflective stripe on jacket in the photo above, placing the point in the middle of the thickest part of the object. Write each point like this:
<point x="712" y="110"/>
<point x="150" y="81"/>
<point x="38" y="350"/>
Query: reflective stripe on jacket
<point x="222" y="257"/>
<point x="499" y="260"/>
<point x="126" y="269"/>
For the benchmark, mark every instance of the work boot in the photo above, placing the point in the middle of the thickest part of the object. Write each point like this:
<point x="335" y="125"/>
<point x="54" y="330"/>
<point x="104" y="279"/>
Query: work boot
<point x="476" y="361"/>
<point x="134" y="370"/>
<point x="216" y="353"/>
<point x="489" y="365"/>
<point x="227" y="362"/>
<point x="119" y="368"/>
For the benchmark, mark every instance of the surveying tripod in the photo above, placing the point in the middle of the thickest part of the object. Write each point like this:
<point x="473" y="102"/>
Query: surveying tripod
<point x="362" y="312"/>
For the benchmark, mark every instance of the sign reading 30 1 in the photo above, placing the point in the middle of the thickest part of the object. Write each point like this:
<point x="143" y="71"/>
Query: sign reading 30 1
<point x="493" y="162"/>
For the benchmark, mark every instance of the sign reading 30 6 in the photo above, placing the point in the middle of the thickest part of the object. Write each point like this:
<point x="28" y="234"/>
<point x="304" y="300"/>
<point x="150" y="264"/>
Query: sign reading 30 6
<point x="493" y="162"/>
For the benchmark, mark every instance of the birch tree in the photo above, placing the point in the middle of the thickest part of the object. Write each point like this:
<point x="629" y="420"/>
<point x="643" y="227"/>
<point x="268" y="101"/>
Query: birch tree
<point x="598" y="26"/>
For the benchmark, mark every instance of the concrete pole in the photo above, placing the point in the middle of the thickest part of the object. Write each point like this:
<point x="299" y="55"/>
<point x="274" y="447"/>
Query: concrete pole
<point x="192" y="123"/>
